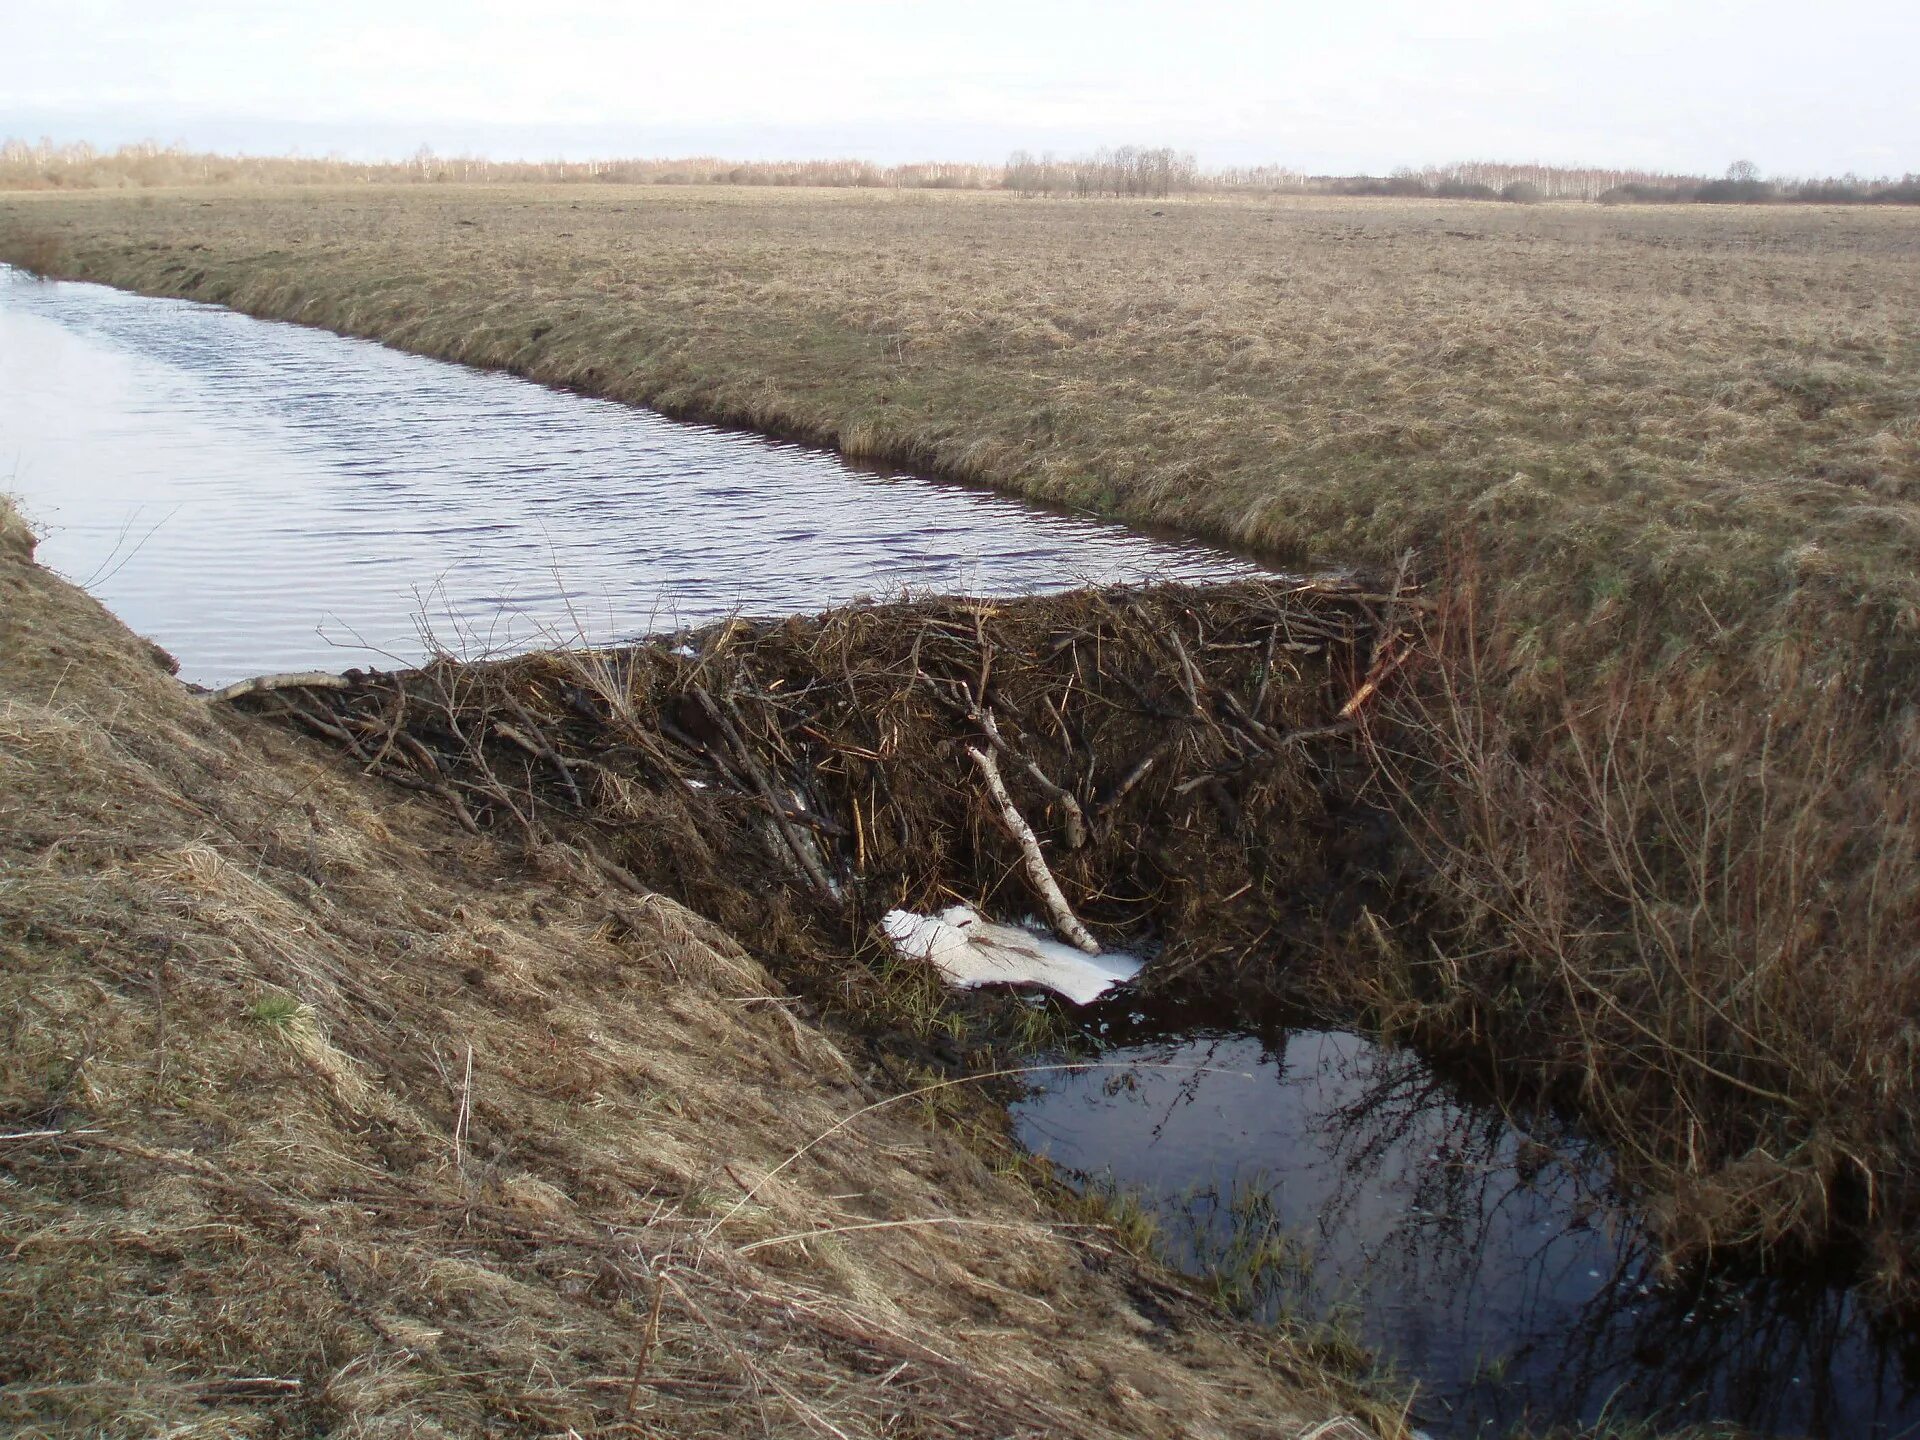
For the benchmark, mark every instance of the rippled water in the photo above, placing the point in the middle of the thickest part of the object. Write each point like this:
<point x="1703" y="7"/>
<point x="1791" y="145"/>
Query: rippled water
<point x="260" y="497"/>
<point x="1331" y="1175"/>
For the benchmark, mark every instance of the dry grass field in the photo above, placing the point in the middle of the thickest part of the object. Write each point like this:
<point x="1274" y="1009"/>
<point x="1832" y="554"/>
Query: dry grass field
<point x="1660" y="469"/>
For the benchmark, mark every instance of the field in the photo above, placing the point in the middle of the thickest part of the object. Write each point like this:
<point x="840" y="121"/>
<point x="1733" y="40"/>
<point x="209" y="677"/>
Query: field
<point x="1658" y="469"/>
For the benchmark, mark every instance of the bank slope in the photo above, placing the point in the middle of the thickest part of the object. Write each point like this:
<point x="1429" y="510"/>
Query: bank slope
<point x="319" y="1115"/>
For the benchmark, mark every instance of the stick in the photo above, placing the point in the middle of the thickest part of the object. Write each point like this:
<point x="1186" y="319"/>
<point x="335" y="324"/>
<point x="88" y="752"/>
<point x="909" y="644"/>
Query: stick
<point x="465" y="1115"/>
<point x="295" y="680"/>
<point x="1061" y="913"/>
<point x="809" y="862"/>
<point x="533" y="745"/>
<point x="647" y="1342"/>
<point x="1382" y="668"/>
<point x="249" y="1387"/>
<point x="1071" y="818"/>
<point x="1134" y="776"/>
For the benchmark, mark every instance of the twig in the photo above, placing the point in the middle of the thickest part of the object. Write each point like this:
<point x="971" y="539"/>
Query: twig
<point x="249" y="1387"/>
<point x="647" y="1342"/>
<point x="800" y="1236"/>
<point x="978" y="1078"/>
<point x="808" y="860"/>
<point x="529" y="739"/>
<point x="464" y="1118"/>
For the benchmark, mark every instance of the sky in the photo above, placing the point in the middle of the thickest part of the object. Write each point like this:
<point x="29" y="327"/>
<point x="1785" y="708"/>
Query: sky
<point x="1350" y="86"/>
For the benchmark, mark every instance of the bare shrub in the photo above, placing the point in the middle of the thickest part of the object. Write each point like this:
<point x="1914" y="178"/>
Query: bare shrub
<point x="1741" y="185"/>
<point x="1128" y="171"/>
<point x="1695" y="918"/>
<point x="1463" y="190"/>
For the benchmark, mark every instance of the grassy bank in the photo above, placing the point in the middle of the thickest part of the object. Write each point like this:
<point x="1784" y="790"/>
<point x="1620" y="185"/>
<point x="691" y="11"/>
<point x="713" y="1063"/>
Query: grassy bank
<point x="321" y="1115"/>
<point x="1661" y="467"/>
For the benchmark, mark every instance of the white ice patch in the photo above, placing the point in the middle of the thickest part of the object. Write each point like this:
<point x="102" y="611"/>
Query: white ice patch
<point x="971" y="952"/>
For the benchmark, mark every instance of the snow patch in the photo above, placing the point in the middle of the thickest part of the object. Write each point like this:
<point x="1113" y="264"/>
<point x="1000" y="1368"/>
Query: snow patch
<point x="971" y="952"/>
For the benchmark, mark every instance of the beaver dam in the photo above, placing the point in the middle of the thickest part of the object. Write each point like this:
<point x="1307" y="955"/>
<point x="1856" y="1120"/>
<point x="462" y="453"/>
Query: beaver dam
<point x="320" y="1113"/>
<point x="886" y="757"/>
<point x="386" y="1036"/>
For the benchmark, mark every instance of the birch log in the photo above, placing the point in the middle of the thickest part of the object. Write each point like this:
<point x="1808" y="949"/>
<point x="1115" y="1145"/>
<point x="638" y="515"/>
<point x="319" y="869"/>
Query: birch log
<point x="1058" y="910"/>
<point x="298" y="680"/>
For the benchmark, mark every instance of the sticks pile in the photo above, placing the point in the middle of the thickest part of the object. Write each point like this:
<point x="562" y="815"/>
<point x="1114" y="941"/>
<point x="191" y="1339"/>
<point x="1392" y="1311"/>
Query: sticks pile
<point x="1163" y="759"/>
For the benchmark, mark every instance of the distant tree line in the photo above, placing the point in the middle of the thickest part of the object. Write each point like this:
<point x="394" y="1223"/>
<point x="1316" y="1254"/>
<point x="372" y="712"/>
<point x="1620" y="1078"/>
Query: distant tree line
<point x="1129" y="170"/>
<point x="1136" y="171"/>
<point x="1496" y="180"/>
<point x="1743" y="185"/>
<point x="46" y="166"/>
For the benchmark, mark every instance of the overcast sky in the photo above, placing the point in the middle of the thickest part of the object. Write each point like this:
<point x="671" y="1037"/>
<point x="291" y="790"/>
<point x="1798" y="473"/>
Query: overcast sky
<point x="1344" y="86"/>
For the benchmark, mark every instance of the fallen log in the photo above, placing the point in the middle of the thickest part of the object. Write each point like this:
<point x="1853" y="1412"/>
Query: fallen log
<point x="291" y="680"/>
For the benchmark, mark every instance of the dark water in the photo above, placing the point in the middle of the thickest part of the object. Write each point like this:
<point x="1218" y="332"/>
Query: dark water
<point x="266" y="497"/>
<point x="263" y="497"/>
<point x="1344" y="1179"/>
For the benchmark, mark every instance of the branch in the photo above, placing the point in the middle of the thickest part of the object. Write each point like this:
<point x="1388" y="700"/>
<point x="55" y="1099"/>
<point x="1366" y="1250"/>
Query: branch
<point x="1061" y="913"/>
<point x="1071" y="818"/>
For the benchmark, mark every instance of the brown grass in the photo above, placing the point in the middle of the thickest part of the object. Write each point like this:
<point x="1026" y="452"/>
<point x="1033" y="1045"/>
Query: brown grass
<point x="1621" y="396"/>
<point x="320" y="1116"/>
<point x="1677" y="450"/>
<point x="1693" y="918"/>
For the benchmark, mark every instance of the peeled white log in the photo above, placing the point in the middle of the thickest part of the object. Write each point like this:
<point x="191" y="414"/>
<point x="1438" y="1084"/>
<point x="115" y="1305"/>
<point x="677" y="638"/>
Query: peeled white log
<point x="1058" y="910"/>
<point x="298" y="680"/>
<point x="970" y="952"/>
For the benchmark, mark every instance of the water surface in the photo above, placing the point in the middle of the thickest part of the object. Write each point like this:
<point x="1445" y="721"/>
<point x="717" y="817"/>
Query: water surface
<point x="1336" y="1177"/>
<point x="260" y="496"/>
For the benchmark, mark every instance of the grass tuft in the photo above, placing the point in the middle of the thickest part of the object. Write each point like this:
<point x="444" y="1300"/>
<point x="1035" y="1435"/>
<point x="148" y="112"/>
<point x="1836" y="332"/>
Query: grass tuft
<point x="275" y="1012"/>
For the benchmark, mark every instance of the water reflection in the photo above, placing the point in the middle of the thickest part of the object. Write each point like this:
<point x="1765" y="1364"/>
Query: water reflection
<point x="1314" y="1171"/>
<point x="260" y="497"/>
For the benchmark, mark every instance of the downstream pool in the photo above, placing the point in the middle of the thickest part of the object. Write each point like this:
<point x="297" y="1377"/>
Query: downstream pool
<point x="1338" y="1180"/>
<point x="262" y="497"/>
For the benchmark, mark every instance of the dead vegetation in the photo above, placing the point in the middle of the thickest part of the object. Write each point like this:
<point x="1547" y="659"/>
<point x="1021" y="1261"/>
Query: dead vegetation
<point x="1693" y="918"/>
<point x="320" y="1115"/>
<point x="1716" y="971"/>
